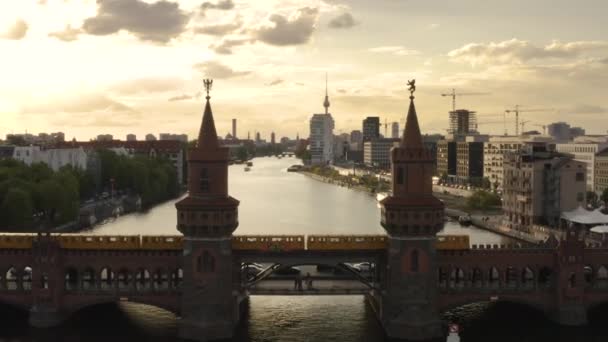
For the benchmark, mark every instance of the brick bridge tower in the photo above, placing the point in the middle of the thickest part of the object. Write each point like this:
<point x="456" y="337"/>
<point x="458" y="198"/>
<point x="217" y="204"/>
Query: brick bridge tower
<point x="411" y="216"/>
<point x="207" y="217"/>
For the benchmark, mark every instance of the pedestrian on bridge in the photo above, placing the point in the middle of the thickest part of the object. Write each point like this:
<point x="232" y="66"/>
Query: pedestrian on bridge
<point x="308" y="282"/>
<point x="299" y="282"/>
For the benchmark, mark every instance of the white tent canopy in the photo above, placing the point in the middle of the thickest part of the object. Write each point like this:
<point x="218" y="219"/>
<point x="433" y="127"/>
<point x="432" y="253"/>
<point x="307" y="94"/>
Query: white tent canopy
<point x="600" y="229"/>
<point x="582" y="216"/>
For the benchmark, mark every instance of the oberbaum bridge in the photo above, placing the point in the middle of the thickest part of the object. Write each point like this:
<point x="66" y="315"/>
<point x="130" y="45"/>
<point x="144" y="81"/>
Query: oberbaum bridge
<point x="198" y="275"/>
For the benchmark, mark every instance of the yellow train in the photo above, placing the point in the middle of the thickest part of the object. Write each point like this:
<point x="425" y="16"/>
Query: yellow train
<point x="452" y="242"/>
<point x="239" y="242"/>
<point x="16" y="241"/>
<point x="275" y="243"/>
<point x="346" y="242"/>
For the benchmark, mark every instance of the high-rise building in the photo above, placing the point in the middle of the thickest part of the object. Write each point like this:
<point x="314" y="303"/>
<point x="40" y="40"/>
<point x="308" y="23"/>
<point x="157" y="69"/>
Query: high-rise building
<point x="539" y="186"/>
<point x="258" y="137"/>
<point x="272" y="138"/>
<point x="585" y="149"/>
<point x="131" y="137"/>
<point x="234" y="129"/>
<point x="560" y="131"/>
<point x="377" y="152"/>
<point x="496" y="147"/>
<point x="169" y="136"/>
<point x="321" y="137"/>
<point x="601" y="172"/>
<point x="150" y="137"/>
<point x="395" y="130"/>
<point x="105" y="137"/>
<point x="371" y="128"/>
<point x="463" y="122"/>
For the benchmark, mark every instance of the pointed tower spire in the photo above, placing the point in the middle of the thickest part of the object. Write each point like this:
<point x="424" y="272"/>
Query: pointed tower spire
<point x="207" y="136"/>
<point x="326" y="102"/>
<point x="411" y="133"/>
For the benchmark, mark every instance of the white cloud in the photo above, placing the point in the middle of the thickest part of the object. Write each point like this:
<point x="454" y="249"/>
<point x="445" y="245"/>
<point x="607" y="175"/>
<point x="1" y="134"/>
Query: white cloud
<point x="293" y="30"/>
<point x="214" y="69"/>
<point x="343" y="21"/>
<point x="396" y="50"/>
<point x="17" y="31"/>
<point x="158" y="22"/>
<point x="521" y="51"/>
<point x="67" y="35"/>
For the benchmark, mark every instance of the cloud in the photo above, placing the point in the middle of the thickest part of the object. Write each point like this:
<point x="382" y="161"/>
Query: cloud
<point x="343" y="21"/>
<point x="586" y="109"/>
<point x="219" y="29"/>
<point x="220" y="5"/>
<point x="147" y="85"/>
<point x="520" y="51"/>
<point x="275" y="82"/>
<point x="294" y="30"/>
<point x="395" y="50"/>
<point x="82" y="103"/>
<point x="67" y="35"/>
<point x="226" y="45"/>
<point x="158" y="22"/>
<point x="17" y="31"/>
<point x="184" y="97"/>
<point x="214" y="69"/>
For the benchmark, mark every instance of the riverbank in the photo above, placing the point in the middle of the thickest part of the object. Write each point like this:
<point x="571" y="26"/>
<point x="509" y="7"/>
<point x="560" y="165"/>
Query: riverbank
<point x="455" y="207"/>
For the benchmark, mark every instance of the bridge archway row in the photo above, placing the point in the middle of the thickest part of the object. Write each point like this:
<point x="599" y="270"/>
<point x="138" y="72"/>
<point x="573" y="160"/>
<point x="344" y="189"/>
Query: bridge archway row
<point x="121" y="278"/>
<point x="531" y="277"/>
<point x="15" y="278"/>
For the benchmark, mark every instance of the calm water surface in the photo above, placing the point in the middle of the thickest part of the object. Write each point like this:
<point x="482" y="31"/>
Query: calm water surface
<point x="274" y="201"/>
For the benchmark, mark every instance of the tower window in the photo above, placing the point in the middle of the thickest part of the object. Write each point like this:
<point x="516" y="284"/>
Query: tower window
<point x="205" y="262"/>
<point x="414" y="262"/>
<point x="400" y="175"/>
<point x="204" y="181"/>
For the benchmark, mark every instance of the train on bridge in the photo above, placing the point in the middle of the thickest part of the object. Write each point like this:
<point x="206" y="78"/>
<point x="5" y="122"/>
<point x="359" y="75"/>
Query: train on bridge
<point x="271" y="243"/>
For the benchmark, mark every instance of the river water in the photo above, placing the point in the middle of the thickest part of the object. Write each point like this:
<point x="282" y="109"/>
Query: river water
<point x="274" y="201"/>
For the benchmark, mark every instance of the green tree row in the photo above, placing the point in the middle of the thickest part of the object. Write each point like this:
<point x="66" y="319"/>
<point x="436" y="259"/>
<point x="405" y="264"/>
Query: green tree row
<point x="154" y="179"/>
<point x="35" y="195"/>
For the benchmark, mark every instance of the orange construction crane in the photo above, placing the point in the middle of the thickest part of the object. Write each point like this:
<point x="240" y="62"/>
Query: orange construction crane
<point x="518" y="110"/>
<point x="453" y="95"/>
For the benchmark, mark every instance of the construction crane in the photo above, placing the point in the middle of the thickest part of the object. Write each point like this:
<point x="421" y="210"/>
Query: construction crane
<point x="518" y="110"/>
<point x="453" y="95"/>
<point x="544" y="128"/>
<point x="523" y="124"/>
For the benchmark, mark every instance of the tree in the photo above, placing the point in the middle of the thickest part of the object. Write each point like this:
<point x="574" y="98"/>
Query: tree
<point x="592" y="199"/>
<point x="483" y="200"/>
<point x="604" y="197"/>
<point x="242" y="154"/>
<point x="16" y="209"/>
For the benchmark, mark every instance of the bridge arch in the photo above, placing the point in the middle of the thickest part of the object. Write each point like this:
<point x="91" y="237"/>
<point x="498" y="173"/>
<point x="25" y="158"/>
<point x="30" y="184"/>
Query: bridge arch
<point x="72" y="278"/>
<point x="106" y="277"/>
<point x="11" y="278"/>
<point x="89" y="278"/>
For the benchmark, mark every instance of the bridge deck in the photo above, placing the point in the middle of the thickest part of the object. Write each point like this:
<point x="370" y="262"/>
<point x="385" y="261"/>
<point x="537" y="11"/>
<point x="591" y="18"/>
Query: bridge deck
<point x="320" y="287"/>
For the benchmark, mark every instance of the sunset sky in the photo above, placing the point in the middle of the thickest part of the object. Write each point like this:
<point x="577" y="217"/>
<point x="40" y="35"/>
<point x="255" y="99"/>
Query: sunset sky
<point x="87" y="67"/>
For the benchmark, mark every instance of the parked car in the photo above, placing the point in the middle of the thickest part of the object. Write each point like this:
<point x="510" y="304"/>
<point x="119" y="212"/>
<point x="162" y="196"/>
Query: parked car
<point x="251" y="270"/>
<point x="364" y="267"/>
<point x="287" y="270"/>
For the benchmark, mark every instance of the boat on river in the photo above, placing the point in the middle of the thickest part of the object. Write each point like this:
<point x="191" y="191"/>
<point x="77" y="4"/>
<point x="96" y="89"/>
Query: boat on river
<point x="247" y="169"/>
<point x="464" y="220"/>
<point x="250" y="164"/>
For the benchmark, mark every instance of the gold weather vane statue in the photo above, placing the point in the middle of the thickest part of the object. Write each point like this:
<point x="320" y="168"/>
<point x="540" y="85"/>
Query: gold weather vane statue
<point x="208" y="83"/>
<point x="412" y="87"/>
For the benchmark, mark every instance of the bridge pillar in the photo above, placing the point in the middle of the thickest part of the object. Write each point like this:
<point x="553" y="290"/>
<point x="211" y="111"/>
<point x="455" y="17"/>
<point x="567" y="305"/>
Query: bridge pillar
<point x="570" y="280"/>
<point x="47" y="283"/>
<point x="207" y="217"/>
<point x="411" y="216"/>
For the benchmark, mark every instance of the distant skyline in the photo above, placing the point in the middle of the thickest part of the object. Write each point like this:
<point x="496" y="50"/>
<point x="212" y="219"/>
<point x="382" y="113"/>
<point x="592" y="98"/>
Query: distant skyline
<point x="136" y="66"/>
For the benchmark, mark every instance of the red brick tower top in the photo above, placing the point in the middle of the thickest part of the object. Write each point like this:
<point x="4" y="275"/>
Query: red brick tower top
<point x="208" y="208"/>
<point x="412" y="189"/>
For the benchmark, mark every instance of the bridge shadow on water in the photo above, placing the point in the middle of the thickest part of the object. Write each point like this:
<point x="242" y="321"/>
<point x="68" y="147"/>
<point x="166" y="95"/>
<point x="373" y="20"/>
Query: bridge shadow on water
<point x="511" y="322"/>
<point x="115" y="322"/>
